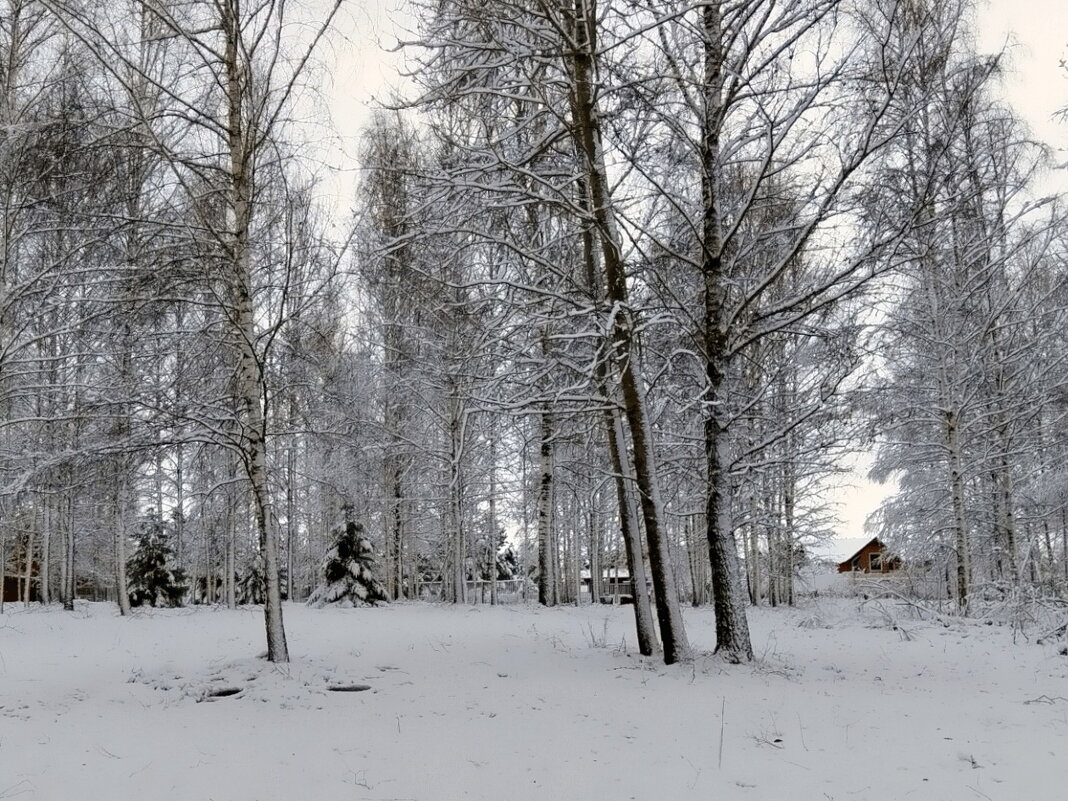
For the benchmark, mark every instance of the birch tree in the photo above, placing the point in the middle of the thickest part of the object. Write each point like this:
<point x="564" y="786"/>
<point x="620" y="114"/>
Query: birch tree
<point x="235" y="98"/>
<point x="956" y="408"/>
<point x="746" y="96"/>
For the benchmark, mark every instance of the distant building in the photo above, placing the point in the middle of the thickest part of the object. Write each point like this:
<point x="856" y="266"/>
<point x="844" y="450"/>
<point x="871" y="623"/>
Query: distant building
<point x="615" y="585"/>
<point x="872" y="558"/>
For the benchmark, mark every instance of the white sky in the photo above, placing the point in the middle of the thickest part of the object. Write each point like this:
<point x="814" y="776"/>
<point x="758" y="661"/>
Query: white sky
<point x="1035" y="32"/>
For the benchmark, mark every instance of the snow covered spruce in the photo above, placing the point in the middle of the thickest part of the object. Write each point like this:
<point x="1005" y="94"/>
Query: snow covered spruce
<point x="348" y="569"/>
<point x="153" y="580"/>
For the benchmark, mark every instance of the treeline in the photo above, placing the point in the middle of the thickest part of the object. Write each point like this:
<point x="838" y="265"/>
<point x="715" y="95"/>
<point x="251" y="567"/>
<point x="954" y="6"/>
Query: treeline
<point x="625" y="284"/>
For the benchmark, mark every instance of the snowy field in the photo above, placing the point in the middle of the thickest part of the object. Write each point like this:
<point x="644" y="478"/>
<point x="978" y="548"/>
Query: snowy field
<point x="517" y="703"/>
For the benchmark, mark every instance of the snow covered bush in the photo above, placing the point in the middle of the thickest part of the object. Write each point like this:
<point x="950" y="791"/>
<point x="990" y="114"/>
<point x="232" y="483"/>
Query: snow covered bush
<point x="151" y="578"/>
<point x="348" y="576"/>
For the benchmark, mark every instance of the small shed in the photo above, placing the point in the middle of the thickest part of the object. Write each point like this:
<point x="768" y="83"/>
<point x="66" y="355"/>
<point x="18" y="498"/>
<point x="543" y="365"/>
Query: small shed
<point x="615" y="583"/>
<point x="872" y="558"/>
<point x="14" y="587"/>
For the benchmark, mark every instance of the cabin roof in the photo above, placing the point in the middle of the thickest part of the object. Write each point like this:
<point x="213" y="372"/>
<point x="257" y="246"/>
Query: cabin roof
<point x="873" y="541"/>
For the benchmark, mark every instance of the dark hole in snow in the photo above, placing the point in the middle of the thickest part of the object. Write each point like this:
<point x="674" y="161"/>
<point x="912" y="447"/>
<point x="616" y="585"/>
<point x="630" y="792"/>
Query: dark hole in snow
<point x="349" y="688"/>
<point x="224" y="692"/>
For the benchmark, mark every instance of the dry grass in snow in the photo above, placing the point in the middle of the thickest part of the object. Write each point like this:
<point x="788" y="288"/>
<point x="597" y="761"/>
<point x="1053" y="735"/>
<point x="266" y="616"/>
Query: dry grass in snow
<point x="524" y="703"/>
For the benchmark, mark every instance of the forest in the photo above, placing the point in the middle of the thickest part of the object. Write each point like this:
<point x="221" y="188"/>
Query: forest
<point x="622" y="287"/>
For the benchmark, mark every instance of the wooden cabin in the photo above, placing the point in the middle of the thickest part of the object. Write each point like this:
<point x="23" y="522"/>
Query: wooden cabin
<point x="872" y="558"/>
<point x="13" y="588"/>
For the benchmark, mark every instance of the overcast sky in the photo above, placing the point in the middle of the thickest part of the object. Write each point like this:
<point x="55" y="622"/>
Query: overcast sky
<point x="1035" y="32"/>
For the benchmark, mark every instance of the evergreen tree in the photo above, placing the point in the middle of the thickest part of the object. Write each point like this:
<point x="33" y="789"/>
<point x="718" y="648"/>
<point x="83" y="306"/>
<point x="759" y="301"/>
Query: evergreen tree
<point x="152" y="578"/>
<point x="507" y="560"/>
<point x="251" y="586"/>
<point x="348" y="569"/>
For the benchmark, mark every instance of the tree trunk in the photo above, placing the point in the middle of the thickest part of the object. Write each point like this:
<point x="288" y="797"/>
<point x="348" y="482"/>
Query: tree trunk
<point x="121" y="521"/>
<point x="623" y="347"/>
<point x="392" y="468"/>
<point x="594" y="533"/>
<point x="956" y="489"/>
<point x="546" y="594"/>
<point x="229" y="578"/>
<point x="27" y="584"/>
<point x="576" y="554"/>
<point x="728" y="592"/>
<point x="620" y="461"/>
<point x="631" y="533"/>
<point x="179" y="506"/>
<point x="772" y="535"/>
<point x="697" y="562"/>
<point x="70" y="583"/>
<point x="789" y="489"/>
<point x="61" y="534"/>
<point x="393" y="338"/>
<point x="251" y="383"/>
<point x="395" y="528"/>
<point x="751" y="546"/>
<point x="492" y="522"/>
<point x="1064" y="543"/>
<point x="455" y="514"/>
<point x="1007" y="516"/>
<point x="160" y="511"/>
<point x="3" y="553"/>
<point x="732" y="627"/>
<point x="44" y="586"/>
<point x="291" y="507"/>
<point x="1050" y="558"/>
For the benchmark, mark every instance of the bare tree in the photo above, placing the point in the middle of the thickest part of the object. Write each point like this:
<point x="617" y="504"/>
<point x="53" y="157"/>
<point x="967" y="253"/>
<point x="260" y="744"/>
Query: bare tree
<point x="235" y="102"/>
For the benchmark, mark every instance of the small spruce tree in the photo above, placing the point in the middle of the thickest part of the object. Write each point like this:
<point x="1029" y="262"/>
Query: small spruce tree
<point x="507" y="563"/>
<point x="152" y="580"/>
<point x="251" y="586"/>
<point x="348" y="569"/>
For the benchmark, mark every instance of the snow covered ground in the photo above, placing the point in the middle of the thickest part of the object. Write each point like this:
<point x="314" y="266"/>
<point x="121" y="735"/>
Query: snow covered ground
<point x="524" y="703"/>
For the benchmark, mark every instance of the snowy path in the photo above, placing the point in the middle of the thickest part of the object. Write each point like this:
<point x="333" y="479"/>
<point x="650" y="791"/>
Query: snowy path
<point x="519" y="703"/>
